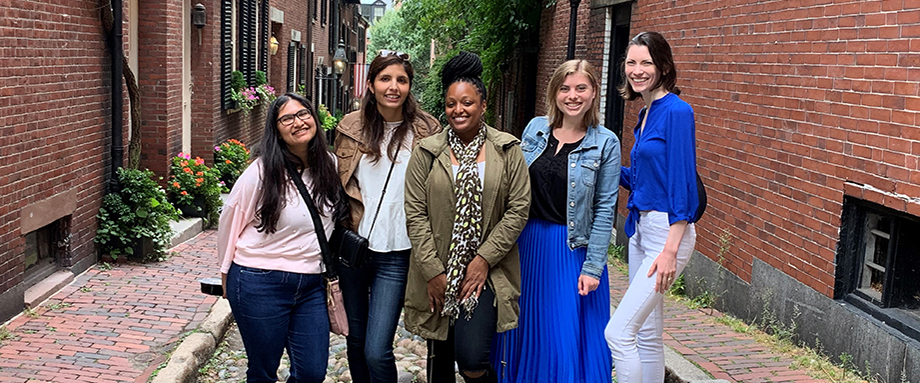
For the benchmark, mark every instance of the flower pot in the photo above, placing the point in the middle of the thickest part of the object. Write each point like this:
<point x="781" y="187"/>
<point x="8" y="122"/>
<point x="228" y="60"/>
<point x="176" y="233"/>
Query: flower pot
<point x="196" y="209"/>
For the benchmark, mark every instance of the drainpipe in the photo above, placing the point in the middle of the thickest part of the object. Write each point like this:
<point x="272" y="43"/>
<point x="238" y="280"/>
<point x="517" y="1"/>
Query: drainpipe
<point x="573" y="18"/>
<point x="118" y="150"/>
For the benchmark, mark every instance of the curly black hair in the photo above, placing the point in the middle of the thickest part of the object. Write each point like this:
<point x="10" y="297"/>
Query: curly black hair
<point x="465" y="67"/>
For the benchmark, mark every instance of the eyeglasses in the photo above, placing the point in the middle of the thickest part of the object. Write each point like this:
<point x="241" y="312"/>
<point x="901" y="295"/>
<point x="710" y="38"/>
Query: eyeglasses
<point x="288" y="119"/>
<point x="387" y="52"/>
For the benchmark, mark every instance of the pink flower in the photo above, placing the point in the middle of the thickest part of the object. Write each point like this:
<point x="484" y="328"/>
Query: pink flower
<point x="217" y="148"/>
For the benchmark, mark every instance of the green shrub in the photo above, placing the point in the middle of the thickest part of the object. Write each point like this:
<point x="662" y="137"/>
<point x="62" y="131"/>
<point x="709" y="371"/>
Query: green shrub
<point x="139" y="211"/>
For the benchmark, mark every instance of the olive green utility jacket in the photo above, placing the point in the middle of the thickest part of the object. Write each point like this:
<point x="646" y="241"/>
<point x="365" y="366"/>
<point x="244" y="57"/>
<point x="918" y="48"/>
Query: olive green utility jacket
<point x="349" y="143"/>
<point x="430" y="209"/>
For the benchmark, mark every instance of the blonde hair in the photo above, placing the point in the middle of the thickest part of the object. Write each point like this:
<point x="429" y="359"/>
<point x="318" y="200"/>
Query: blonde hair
<point x="553" y="114"/>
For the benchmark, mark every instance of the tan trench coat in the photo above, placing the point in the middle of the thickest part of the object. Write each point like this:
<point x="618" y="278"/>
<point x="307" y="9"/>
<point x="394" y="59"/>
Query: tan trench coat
<point x="349" y="140"/>
<point x="430" y="208"/>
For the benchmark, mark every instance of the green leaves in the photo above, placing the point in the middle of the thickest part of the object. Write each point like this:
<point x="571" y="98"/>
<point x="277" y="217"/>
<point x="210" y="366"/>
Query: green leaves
<point x="138" y="211"/>
<point x="490" y="28"/>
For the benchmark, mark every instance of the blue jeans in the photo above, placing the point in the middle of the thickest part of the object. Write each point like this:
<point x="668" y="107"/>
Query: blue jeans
<point x="374" y="295"/>
<point x="276" y="310"/>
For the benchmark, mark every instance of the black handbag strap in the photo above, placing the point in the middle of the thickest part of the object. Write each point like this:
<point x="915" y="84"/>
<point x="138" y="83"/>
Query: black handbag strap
<point x="382" y="194"/>
<point x="317" y="223"/>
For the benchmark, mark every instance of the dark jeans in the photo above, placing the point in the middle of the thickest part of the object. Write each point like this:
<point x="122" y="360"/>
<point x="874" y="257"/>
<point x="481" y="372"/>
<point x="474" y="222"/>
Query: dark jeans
<point x="276" y="310"/>
<point x="467" y="343"/>
<point x="374" y="297"/>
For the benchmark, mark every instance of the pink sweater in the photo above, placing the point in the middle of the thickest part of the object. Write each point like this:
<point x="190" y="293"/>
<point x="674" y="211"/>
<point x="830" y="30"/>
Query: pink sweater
<point x="293" y="247"/>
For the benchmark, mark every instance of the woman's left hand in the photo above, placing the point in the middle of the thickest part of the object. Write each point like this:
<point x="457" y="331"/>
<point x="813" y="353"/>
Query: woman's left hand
<point x="666" y="266"/>
<point x="475" y="279"/>
<point x="587" y="284"/>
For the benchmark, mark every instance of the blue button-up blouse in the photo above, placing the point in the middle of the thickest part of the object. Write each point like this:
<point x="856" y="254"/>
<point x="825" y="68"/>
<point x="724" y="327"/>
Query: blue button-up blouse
<point x="662" y="175"/>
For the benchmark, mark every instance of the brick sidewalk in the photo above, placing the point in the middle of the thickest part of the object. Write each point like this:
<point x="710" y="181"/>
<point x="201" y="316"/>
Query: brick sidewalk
<point x="115" y="325"/>
<point x="715" y="347"/>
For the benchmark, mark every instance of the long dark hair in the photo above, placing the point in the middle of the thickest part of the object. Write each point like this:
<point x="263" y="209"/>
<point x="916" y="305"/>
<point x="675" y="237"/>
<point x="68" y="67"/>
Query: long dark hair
<point x="275" y="155"/>
<point x="464" y="67"/>
<point x="374" y="131"/>
<point x="660" y="51"/>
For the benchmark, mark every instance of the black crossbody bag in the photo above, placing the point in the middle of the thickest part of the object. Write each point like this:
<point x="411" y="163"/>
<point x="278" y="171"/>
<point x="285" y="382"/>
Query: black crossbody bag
<point x="349" y="246"/>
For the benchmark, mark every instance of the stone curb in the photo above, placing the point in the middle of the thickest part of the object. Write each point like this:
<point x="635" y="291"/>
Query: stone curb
<point x="197" y="348"/>
<point x="686" y="370"/>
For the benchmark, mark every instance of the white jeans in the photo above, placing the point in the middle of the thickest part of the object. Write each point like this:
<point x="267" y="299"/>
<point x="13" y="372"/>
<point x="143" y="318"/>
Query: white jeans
<point x="634" y="333"/>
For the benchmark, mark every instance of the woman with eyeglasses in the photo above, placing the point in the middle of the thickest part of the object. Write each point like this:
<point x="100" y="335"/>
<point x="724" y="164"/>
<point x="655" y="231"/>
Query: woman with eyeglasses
<point x="467" y="197"/>
<point x="373" y="146"/>
<point x="269" y="252"/>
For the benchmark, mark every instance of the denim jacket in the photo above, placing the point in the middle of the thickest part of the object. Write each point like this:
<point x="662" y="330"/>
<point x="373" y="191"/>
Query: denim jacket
<point x="594" y="176"/>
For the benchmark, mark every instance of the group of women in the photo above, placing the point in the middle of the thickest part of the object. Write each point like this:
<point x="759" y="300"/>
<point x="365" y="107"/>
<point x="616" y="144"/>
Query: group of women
<point x="494" y="247"/>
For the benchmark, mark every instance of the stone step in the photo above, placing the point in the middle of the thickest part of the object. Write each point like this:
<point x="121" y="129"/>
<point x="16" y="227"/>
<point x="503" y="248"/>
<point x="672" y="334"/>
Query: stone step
<point x="37" y="294"/>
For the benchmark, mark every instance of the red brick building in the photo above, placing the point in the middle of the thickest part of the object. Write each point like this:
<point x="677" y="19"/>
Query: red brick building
<point x="807" y="120"/>
<point x="56" y="118"/>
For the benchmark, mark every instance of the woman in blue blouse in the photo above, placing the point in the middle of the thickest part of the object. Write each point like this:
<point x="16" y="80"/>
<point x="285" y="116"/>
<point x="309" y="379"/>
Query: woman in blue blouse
<point x="574" y="166"/>
<point x="662" y="200"/>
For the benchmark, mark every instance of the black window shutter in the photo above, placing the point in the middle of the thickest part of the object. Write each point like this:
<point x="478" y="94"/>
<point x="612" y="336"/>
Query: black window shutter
<point x="292" y="56"/>
<point x="226" y="52"/>
<point x="247" y="24"/>
<point x="302" y="67"/>
<point x="263" y="26"/>
<point x="322" y="12"/>
<point x="315" y="6"/>
<point x="333" y="27"/>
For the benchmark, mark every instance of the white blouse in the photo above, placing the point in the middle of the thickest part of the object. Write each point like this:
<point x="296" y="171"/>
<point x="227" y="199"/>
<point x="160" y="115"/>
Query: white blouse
<point x="390" y="230"/>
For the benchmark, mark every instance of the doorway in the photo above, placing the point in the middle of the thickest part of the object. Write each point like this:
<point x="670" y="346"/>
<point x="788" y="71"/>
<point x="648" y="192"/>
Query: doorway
<point x="619" y="38"/>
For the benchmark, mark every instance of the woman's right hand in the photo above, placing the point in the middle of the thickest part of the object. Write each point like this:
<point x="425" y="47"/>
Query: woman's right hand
<point x="436" y="288"/>
<point x="223" y="284"/>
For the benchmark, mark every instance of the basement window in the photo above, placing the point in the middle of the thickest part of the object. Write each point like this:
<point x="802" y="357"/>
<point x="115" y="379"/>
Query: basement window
<point x="878" y="263"/>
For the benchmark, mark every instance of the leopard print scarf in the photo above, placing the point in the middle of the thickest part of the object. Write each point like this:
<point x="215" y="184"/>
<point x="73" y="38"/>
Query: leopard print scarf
<point x="467" y="222"/>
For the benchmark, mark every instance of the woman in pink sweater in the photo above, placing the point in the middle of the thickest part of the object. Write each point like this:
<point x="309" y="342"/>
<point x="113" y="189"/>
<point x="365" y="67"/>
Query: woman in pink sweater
<point x="271" y="262"/>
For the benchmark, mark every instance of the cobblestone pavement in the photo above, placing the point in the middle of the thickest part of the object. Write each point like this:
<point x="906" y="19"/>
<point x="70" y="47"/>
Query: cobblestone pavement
<point x="118" y="326"/>
<point x="229" y="361"/>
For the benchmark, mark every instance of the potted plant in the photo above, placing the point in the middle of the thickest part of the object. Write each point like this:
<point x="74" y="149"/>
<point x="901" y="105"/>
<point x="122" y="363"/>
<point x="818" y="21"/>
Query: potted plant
<point x="135" y="220"/>
<point x="195" y="188"/>
<point x="230" y="159"/>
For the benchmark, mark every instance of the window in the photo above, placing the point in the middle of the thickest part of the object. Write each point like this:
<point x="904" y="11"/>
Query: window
<point x="878" y="263"/>
<point x="315" y="7"/>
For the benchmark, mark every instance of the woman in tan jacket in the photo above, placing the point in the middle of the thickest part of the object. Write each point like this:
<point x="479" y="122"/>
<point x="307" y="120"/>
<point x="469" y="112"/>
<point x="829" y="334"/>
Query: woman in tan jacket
<point x="467" y="200"/>
<point x="373" y="146"/>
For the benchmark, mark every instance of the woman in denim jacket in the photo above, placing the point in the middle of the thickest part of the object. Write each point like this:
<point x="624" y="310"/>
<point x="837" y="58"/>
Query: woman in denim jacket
<point x="574" y="166"/>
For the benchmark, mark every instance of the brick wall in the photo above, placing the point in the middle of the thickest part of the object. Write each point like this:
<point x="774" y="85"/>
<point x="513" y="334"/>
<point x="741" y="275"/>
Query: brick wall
<point x="54" y="124"/>
<point x="792" y="100"/>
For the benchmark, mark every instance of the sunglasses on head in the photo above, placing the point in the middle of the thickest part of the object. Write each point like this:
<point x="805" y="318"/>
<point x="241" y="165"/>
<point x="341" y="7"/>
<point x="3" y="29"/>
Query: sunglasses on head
<point x="387" y="52"/>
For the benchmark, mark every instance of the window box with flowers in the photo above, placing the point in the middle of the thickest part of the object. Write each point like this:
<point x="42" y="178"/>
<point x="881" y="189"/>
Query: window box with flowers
<point x="230" y="159"/>
<point x="195" y="188"/>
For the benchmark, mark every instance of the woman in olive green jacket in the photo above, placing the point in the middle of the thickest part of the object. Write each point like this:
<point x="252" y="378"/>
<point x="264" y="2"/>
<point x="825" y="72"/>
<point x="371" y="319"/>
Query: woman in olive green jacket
<point x="443" y="286"/>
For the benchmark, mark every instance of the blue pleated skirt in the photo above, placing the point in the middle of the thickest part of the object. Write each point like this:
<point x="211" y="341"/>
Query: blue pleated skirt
<point x="560" y="337"/>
